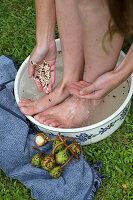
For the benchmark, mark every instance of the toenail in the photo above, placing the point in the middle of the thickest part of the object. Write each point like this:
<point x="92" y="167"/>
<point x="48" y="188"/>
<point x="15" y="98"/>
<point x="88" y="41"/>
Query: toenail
<point x="41" y="121"/>
<point x="36" y="117"/>
<point x="51" y="125"/>
<point x="45" y="123"/>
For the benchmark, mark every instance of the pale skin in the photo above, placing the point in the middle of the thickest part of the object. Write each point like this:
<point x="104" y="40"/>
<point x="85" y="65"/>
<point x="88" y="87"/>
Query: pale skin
<point x="94" y="17"/>
<point x="99" y="68"/>
<point x="106" y="82"/>
<point x="72" y="62"/>
<point x="45" y="41"/>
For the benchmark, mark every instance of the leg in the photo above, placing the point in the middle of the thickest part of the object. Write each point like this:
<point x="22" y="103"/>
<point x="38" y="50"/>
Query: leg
<point x="73" y="60"/>
<point x="45" y="41"/>
<point x="94" y="17"/>
<point x="97" y="61"/>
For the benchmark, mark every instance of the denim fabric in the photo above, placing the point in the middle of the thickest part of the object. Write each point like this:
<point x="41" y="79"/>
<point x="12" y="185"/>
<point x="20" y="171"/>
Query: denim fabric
<point x="78" y="181"/>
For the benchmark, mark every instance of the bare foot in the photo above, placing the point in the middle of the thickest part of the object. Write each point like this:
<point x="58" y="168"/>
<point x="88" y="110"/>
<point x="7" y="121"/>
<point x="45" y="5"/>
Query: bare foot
<point x="69" y="114"/>
<point x="58" y="95"/>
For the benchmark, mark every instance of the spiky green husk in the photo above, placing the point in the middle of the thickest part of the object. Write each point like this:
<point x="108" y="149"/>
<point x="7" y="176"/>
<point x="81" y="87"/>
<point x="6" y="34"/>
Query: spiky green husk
<point x="48" y="162"/>
<point x="59" y="148"/>
<point x="46" y="138"/>
<point x="56" y="172"/>
<point x="76" y="149"/>
<point x="61" y="157"/>
<point x="36" y="160"/>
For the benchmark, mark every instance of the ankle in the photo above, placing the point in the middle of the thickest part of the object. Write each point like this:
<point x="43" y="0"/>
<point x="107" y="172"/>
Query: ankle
<point x="62" y="88"/>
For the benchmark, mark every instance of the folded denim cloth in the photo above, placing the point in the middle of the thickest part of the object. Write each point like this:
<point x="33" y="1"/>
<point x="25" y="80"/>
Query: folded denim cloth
<point x="78" y="181"/>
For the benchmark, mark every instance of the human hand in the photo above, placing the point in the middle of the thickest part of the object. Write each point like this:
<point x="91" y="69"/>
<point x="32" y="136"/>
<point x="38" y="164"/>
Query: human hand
<point x="47" y="53"/>
<point x="96" y="90"/>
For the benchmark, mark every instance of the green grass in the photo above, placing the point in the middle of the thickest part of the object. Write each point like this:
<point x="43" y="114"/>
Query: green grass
<point x="17" y="39"/>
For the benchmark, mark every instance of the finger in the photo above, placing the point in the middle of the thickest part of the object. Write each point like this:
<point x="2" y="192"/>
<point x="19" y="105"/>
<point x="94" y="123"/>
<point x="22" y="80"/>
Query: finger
<point x="51" y="81"/>
<point x="75" y="86"/>
<point x="78" y="84"/>
<point x="38" y="84"/>
<point x="74" y="92"/>
<point x="52" y="74"/>
<point x="37" y="67"/>
<point x="96" y="95"/>
<point x="87" y="90"/>
<point x="31" y="69"/>
<point x="82" y="83"/>
<point x="85" y="83"/>
<point x="36" y="73"/>
<point x="48" y="89"/>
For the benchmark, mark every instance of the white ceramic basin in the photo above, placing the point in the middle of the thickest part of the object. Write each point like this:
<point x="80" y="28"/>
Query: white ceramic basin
<point x="105" y="120"/>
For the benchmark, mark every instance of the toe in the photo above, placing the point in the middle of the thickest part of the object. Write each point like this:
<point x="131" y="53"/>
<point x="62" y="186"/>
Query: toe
<point x="55" y="124"/>
<point x="48" y="121"/>
<point x="41" y="120"/>
<point x="61" y="126"/>
<point x="52" y="122"/>
<point x="36" y="117"/>
<point x="26" y="111"/>
<point x="25" y="102"/>
<point x="40" y="117"/>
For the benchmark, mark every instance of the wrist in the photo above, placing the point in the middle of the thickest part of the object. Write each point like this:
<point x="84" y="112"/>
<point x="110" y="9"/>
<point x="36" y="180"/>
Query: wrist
<point x="44" y="40"/>
<point x="45" y="47"/>
<point x="119" y="76"/>
<point x="42" y="45"/>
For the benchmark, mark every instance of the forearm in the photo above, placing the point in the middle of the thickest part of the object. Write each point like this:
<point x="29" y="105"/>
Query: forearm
<point x="45" y="21"/>
<point x="125" y="69"/>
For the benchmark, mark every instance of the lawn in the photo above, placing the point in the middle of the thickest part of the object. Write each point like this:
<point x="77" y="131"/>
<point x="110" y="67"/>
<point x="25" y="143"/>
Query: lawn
<point x="17" y="39"/>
